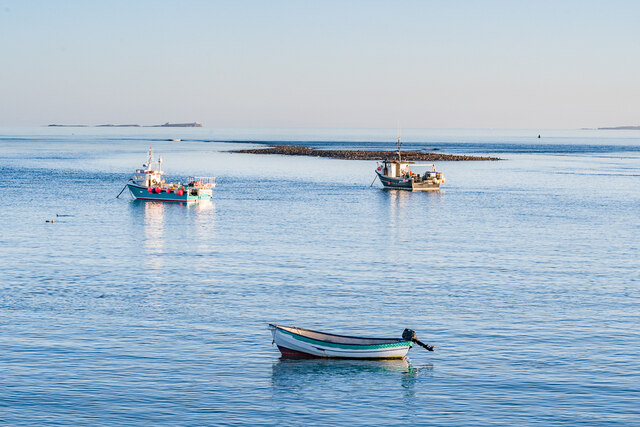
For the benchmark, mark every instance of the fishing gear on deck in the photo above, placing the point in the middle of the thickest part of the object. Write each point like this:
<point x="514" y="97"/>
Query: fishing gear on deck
<point x="410" y="335"/>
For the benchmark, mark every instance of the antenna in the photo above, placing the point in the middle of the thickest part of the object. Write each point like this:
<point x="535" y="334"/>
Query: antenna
<point x="399" y="143"/>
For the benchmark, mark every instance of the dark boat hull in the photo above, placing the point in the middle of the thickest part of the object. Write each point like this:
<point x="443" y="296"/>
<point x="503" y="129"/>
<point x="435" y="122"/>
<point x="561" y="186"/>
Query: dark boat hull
<point x="408" y="184"/>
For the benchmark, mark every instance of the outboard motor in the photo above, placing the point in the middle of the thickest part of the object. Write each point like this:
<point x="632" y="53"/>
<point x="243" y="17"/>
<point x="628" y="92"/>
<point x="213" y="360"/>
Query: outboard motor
<point x="410" y="335"/>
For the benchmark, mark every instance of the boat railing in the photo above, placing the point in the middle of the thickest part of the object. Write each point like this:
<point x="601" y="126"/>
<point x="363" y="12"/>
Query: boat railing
<point x="423" y="165"/>
<point x="205" y="181"/>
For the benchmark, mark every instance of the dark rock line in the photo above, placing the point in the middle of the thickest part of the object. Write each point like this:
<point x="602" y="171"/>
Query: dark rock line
<point x="295" y="150"/>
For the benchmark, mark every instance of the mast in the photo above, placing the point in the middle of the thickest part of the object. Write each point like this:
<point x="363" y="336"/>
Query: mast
<point x="150" y="159"/>
<point x="399" y="145"/>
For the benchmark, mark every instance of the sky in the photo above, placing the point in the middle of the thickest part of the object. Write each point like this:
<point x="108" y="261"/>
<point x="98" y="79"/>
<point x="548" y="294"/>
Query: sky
<point x="321" y="64"/>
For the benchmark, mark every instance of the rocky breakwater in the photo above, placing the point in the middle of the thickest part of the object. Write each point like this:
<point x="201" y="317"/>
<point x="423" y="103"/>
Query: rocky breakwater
<point x="296" y="150"/>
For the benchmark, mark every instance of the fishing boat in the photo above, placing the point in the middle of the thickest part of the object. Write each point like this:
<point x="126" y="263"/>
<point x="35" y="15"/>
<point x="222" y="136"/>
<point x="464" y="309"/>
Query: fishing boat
<point x="398" y="175"/>
<point x="148" y="183"/>
<point x="294" y="342"/>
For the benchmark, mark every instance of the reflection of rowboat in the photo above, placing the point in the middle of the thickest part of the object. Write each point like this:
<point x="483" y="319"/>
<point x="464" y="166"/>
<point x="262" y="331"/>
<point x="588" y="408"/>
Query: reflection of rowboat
<point x="299" y="342"/>
<point x="295" y="371"/>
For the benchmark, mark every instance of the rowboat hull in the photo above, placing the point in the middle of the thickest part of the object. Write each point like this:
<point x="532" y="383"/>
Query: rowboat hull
<point x="303" y="343"/>
<point x="142" y="193"/>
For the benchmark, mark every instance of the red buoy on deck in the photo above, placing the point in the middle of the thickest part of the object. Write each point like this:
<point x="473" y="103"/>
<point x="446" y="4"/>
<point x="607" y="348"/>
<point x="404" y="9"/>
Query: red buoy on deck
<point x="150" y="190"/>
<point x="158" y="189"/>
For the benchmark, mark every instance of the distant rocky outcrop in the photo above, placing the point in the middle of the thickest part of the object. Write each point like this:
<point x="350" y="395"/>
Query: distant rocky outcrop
<point x="621" y="128"/>
<point x="109" y="125"/>
<point x="67" y="126"/>
<point x="296" y="150"/>
<point x="180" y="125"/>
<point x="117" y="126"/>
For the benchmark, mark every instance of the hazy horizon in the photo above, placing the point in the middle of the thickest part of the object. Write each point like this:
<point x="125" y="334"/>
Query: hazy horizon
<point x="289" y="64"/>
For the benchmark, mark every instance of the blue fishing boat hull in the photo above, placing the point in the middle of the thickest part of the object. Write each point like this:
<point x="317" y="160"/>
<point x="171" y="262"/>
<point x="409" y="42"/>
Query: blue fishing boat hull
<point x="142" y="193"/>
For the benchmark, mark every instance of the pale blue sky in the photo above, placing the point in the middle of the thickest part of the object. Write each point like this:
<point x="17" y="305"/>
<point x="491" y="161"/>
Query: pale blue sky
<point x="424" y="64"/>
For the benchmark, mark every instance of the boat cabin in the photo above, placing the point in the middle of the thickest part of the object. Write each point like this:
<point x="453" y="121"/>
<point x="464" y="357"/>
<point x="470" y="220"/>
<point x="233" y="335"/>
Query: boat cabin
<point x="398" y="169"/>
<point x="393" y="168"/>
<point x="149" y="175"/>
<point x="147" y="178"/>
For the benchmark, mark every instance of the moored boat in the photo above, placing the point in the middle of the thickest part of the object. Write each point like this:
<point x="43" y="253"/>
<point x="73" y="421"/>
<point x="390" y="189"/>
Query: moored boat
<point x="305" y="343"/>
<point x="148" y="183"/>
<point x="398" y="175"/>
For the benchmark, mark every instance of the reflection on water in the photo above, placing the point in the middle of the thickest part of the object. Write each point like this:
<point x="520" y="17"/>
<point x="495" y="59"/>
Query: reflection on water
<point x="153" y="227"/>
<point x="407" y="215"/>
<point x="163" y="220"/>
<point x="296" y="373"/>
<point x="163" y="229"/>
<point x="400" y="201"/>
<point x="204" y="222"/>
<point x="119" y="314"/>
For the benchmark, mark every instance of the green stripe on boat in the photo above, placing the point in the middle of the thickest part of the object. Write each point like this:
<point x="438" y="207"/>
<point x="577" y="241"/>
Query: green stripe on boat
<point x="349" y="346"/>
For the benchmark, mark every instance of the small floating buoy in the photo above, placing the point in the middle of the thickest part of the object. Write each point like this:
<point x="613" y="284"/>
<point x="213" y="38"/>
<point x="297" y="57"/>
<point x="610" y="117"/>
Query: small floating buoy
<point x="538" y="136"/>
<point x="51" y="220"/>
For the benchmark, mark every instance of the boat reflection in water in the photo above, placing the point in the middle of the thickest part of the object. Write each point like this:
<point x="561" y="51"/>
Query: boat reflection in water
<point x="153" y="226"/>
<point x="399" y="378"/>
<point x="297" y="372"/>
<point x="180" y="219"/>
<point x="203" y="223"/>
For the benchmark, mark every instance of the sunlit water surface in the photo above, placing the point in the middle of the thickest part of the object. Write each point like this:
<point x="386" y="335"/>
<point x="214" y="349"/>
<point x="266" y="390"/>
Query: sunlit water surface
<point x="523" y="273"/>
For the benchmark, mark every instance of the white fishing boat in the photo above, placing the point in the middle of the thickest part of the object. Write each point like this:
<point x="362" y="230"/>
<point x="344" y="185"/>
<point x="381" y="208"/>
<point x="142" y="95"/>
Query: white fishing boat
<point x="400" y="175"/>
<point x="305" y="343"/>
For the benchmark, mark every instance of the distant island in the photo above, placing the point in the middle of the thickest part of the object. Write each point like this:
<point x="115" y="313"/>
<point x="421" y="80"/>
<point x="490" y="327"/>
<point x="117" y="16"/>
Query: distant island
<point x="621" y="128"/>
<point x="114" y="126"/>
<point x="296" y="150"/>
<point x="179" y="125"/>
<point x="166" y="125"/>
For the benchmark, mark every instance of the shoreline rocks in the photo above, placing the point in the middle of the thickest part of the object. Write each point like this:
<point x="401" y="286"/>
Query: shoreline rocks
<point x="296" y="150"/>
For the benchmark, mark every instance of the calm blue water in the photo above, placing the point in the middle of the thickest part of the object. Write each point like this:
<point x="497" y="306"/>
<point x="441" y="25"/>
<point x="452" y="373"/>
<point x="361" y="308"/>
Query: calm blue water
<point x="523" y="273"/>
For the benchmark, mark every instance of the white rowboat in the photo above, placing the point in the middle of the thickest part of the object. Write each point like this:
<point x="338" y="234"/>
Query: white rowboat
<point x="305" y="343"/>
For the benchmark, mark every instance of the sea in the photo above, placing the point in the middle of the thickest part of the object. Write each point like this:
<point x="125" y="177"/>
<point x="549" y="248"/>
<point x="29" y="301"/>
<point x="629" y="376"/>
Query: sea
<point x="523" y="273"/>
